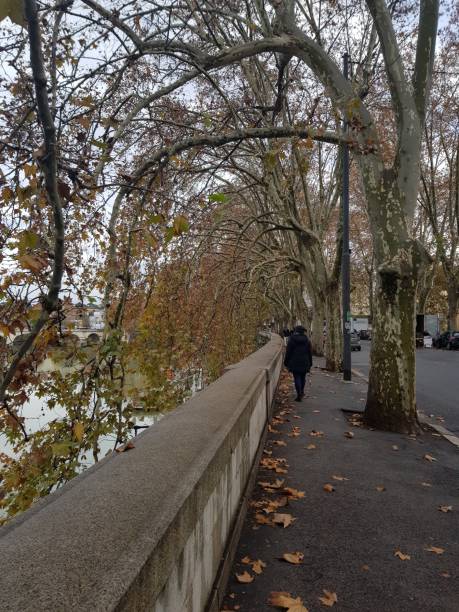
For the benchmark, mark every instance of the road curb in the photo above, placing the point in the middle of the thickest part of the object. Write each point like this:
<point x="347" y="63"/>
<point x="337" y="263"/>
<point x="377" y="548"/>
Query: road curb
<point x="424" y="419"/>
<point x="445" y="433"/>
<point x="359" y="374"/>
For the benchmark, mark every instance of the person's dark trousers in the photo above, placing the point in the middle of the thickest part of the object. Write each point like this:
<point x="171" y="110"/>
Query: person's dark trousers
<point x="300" y="379"/>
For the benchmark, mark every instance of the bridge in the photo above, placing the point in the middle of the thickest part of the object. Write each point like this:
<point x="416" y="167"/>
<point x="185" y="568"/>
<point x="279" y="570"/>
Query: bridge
<point x="153" y="528"/>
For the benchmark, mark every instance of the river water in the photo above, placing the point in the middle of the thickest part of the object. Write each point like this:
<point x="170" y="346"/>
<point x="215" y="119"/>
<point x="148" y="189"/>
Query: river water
<point x="37" y="415"/>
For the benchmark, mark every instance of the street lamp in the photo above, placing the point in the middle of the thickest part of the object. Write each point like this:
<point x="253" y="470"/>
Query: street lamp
<point x="346" y="259"/>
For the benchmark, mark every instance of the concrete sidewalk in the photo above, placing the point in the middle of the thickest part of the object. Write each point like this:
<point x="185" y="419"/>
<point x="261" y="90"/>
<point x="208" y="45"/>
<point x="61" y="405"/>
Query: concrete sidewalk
<point x="374" y="504"/>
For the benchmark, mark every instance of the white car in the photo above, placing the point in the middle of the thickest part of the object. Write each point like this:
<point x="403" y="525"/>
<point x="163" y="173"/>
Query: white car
<point x="428" y="341"/>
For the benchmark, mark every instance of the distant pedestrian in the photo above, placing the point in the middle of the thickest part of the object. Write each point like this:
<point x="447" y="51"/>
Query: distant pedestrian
<point x="285" y="332"/>
<point x="298" y="359"/>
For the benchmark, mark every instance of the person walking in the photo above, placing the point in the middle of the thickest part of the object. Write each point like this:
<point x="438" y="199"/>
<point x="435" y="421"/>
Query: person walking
<point x="298" y="359"/>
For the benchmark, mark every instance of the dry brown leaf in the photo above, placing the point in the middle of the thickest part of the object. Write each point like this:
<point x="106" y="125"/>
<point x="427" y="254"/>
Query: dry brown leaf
<point x="246" y="560"/>
<point x="267" y="452"/>
<point x="277" y="484"/>
<point x="445" y="574"/>
<point x="365" y="568"/>
<point x="274" y="505"/>
<point x="394" y="447"/>
<point x="348" y="434"/>
<point x="244" y="578"/>
<point x="280" y="443"/>
<point x="401" y="556"/>
<point x="339" y="478"/>
<point x="258" y="565"/>
<point x="296" y="558"/>
<point x="428" y="457"/>
<point x="445" y="508"/>
<point x="261" y="519"/>
<point x="311" y="446"/>
<point x="294" y="493"/>
<point x="296" y="431"/>
<point x="380" y="488"/>
<point x="284" y="600"/>
<point x="329" y="598"/>
<point x="283" y="519"/>
<point x="125" y="447"/>
<point x="436" y="549"/>
<point x="328" y="487"/>
<point x="316" y="434"/>
<point x="426" y="484"/>
<point x="272" y="430"/>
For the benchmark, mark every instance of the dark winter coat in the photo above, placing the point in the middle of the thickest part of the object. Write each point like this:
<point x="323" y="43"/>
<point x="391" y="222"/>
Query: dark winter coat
<point x="298" y="356"/>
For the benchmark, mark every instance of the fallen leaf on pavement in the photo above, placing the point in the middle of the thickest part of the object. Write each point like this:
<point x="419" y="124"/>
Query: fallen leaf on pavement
<point x="366" y="568"/>
<point x="445" y="508"/>
<point x="340" y="478"/>
<point x="426" y="484"/>
<point x="273" y="506"/>
<point x="311" y="446"/>
<point x="445" y="574"/>
<point x="436" y="549"/>
<point x="429" y="458"/>
<point x="316" y="434"/>
<point x="394" y="447"/>
<point x="284" y="600"/>
<point x="348" y="434"/>
<point x="244" y="578"/>
<point x="329" y="598"/>
<point x="272" y="430"/>
<point x="272" y="485"/>
<point x="316" y="411"/>
<point x="261" y="519"/>
<point x="329" y="488"/>
<point x="246" y="560"/>
<point x="280" y="443"/>
<point x="401" y="556"/>
<point x="258" y="565"/>
<point x="294" y="493"/>
<point x="125" y="447"/>
<point x="296" y="431"/>
<point x="283" y="519"/>
<point x="295" y="557"/>
<point x="380" y="488"/>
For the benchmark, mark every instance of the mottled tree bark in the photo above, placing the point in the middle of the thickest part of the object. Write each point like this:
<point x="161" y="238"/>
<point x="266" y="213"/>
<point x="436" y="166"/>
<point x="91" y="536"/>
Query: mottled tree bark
<point x="334" y="337"/>
<point x="453" y="306"/>
<point x="317" y="329"/>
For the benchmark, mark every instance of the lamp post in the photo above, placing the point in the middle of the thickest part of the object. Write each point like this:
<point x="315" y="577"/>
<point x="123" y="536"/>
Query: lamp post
<point x="346" y="259"/>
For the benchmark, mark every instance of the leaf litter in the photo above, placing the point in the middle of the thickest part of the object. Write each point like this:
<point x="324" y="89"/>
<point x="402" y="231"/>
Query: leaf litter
<point x="282" y="599"/>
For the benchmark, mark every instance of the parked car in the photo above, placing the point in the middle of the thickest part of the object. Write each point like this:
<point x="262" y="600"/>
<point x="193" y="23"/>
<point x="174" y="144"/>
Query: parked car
<point x="365" y="334"/>
<point x="448" y="340"/>
<point x="355" y="342"/>
<point x="453" y="341"/>
<point x="428" y="340"/>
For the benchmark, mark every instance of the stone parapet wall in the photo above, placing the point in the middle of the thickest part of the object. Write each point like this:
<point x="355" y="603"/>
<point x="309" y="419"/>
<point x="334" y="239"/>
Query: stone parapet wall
<point x="146" y="529"/>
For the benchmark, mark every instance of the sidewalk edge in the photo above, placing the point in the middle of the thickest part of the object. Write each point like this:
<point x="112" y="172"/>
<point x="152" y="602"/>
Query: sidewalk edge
<point x="423" y="418"/>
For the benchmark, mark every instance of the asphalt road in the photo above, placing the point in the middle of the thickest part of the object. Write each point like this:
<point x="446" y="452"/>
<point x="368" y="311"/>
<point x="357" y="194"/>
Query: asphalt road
<point x="437" y="381"/>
